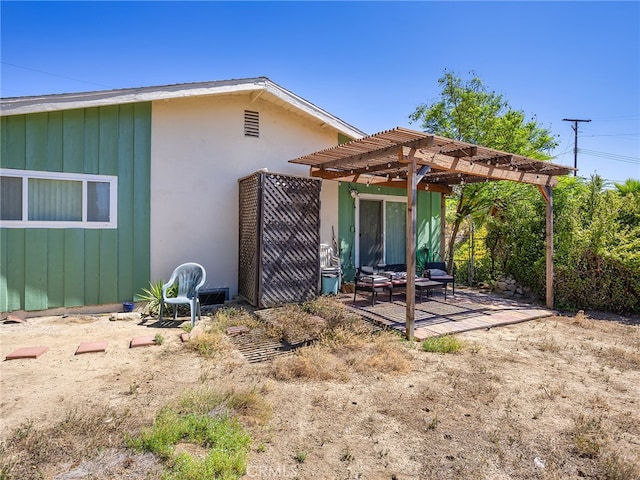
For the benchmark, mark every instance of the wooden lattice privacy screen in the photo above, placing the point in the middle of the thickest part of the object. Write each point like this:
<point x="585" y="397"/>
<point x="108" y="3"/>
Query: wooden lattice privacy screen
<point x="279" y="250"/>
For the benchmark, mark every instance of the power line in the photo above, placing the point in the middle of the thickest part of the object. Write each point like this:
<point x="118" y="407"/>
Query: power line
<point x="612" y="135"/>
<point x="611" y="156"/>
<point x="564" y="152"/>
<point x="55" y="75"/>
<point x="614" y="119"/>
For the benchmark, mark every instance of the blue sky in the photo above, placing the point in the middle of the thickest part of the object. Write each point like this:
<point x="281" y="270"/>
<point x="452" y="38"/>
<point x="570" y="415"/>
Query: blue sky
<point x="369" y="63"/>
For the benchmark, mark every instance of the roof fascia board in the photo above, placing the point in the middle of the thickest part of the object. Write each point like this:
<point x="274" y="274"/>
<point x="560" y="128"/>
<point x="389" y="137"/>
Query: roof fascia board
<point x="311" y="109"/>
<point x="57" y="102"/>
<point x="68" y="101"/>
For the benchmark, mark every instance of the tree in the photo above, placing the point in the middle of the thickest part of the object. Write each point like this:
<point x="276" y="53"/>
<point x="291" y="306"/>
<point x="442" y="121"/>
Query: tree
<point x="468" y="111"/>
<point x="631" y="185"/>
<point x="596" y="244"/>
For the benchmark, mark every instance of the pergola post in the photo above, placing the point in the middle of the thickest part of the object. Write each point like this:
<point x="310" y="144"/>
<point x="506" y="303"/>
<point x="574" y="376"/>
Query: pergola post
<point x="443" y="226"/>
<point x="547" y="193"/>
<point x="411" y="246"/>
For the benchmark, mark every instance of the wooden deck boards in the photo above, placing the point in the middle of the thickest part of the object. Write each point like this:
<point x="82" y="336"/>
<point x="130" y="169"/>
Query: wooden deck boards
<point x="467" y="310"/>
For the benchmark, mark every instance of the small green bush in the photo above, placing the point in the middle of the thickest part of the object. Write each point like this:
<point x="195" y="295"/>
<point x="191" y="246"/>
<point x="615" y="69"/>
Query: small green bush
<point x="153" y="296"/>
<point x="202" y="420"/>
<point x="443" y="344"/>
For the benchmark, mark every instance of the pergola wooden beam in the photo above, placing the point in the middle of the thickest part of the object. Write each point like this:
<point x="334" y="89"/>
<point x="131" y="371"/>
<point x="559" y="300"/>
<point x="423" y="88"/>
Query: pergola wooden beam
<point x="380" y="181"/>
<point x="361" y="155"/>
<point x="469" y="167"/>
<point x="381" y="148"/>
<point x="430" y="187"/>
<point x="503" y="159"/>
<point x="382" y="167"/>
<point x="470" y="151"/>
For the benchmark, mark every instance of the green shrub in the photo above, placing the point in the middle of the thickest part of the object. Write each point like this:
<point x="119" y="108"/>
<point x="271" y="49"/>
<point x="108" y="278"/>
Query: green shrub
<point x="153" y="296"/>
<point x="598" y="283"/>
<point x="443" y="344"/>
<point x="199" y="436"/>
<point x="596" y="244"/>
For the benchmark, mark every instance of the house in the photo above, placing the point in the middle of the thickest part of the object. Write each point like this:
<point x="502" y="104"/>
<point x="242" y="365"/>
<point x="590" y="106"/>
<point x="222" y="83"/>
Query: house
<point x="103" y="192"/>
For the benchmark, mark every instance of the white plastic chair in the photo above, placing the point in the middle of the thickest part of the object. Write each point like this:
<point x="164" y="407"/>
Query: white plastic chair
<point x="329" y="262"/>
<point x="190" y="277"/>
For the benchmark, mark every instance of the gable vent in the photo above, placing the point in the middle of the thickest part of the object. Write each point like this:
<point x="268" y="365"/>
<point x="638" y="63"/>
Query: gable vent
<point x="251" y="124"/>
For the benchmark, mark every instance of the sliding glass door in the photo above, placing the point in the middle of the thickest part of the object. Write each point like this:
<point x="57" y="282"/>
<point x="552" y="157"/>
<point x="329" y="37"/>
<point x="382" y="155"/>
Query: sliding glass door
<point x="381" y="231"/>
<point x="370" y="234"/>
<point x="395" y="232"/>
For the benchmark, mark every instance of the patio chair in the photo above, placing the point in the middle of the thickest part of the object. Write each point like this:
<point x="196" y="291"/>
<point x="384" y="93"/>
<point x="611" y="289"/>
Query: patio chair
<point x="437" y="271"/>
<point x="330" y="270"/>
<point x="190" y="277"/>
<point x="366" y="280"/>
<point x="329" y="261"/>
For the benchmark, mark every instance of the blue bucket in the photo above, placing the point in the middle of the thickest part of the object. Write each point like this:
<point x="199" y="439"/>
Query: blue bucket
<point x="330" y="284"/>
<point x="127" y="306"/>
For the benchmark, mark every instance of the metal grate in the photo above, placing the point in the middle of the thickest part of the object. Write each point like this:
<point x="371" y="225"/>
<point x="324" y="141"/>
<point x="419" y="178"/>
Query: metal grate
<point x="257" y="346"/>
<point x="251" y="124"/>
<point x="279" y="239"/>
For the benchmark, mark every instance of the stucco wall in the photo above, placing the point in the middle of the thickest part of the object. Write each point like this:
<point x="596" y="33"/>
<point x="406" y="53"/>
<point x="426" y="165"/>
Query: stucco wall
<point x="328" y="211"/>
<point x="199" y="151"/>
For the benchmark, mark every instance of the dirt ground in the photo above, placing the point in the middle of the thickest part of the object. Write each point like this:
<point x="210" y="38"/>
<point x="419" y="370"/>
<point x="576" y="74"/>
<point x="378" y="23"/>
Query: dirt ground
<point x="552" y="398"/>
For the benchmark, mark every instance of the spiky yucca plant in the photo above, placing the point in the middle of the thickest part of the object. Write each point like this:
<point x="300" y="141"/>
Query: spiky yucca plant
<point x="153" y="296"/>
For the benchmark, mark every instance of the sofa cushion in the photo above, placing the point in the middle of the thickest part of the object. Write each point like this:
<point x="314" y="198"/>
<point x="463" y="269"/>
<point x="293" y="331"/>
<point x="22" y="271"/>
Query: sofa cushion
<point x="436" y="272"/>
<point x="374" y="280"/>
<point x="438" y="265"/>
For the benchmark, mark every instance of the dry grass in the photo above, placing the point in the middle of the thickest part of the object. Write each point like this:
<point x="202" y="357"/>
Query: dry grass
<point x="98" y="440"/>
<point x="248" y="405"/>
<point x="619" y="358"/>
<point x="385" y="354"/>
<point x="294" y="325"/>
<point x="209" y="337"/>
<point x="582" y="320"/>
<point x="311" y="321"/>
<point x="311" y="363"/>
<point x="93" y="437"/>
<point x="209" y="341"/>
<point x="593" y="441"/>
<point x="343" y="344"/>
<point x="341" y="352"/>
<point x="552" y="399"/>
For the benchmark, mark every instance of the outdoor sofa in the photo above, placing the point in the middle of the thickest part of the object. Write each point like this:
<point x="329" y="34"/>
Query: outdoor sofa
<point x="388" y="277"/>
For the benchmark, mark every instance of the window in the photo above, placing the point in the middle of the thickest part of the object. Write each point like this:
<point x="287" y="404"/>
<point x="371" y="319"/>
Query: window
<point x="32" y="199"/>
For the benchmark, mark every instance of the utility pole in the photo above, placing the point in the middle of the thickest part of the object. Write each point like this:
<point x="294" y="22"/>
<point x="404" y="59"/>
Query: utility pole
<point x="575" y="142"/>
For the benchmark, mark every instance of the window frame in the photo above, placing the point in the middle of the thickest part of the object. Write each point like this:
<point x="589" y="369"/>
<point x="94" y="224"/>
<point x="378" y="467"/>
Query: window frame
<point x="85" y="178"/>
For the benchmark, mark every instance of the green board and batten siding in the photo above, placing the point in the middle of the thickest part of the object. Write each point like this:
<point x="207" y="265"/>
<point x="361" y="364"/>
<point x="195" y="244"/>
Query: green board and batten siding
<point x="48" y="268"/>
<point x="427" y="224"/>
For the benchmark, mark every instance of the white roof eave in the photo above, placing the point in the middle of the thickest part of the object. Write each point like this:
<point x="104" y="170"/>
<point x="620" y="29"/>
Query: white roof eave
<point x="69" y="101"/>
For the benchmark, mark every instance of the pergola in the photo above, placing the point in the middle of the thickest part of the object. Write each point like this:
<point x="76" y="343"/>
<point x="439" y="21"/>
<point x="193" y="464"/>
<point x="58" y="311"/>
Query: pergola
<point x="406" y="158"/>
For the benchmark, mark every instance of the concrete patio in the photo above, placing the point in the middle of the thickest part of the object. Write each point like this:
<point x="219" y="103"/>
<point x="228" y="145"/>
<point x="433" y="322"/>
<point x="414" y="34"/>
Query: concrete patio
<point x="467" y="310"/>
